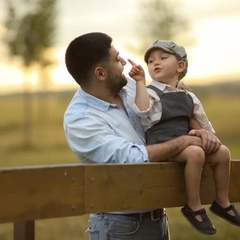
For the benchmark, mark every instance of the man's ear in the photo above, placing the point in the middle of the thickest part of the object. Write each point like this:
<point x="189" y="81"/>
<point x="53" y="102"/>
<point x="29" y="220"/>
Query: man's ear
<point x="100" y="73"/>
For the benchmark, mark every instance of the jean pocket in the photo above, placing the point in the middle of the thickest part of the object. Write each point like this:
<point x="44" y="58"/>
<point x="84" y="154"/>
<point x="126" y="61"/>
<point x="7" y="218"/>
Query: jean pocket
<point x="120" y="229"/>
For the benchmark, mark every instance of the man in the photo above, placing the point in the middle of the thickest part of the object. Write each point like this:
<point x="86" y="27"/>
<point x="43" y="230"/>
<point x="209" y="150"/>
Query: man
<point x="101" y="127"/>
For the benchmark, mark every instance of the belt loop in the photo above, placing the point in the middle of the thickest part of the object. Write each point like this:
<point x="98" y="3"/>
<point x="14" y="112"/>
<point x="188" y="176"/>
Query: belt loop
<point x="140" y="218"/>
<point x="157" y="214"/>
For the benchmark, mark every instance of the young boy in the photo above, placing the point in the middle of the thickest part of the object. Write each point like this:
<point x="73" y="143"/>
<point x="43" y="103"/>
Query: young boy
<point x="168" y="109"/>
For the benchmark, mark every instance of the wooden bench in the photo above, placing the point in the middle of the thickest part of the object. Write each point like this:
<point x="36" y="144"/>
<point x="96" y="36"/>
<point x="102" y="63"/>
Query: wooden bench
<point x="40" y="192"/>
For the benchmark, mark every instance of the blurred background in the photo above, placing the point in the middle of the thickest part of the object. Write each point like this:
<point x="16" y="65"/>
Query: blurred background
<point x="35" y="87"/>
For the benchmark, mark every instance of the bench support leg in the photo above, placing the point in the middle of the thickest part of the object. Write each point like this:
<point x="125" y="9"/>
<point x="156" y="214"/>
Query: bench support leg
<point x="24" y="230"/>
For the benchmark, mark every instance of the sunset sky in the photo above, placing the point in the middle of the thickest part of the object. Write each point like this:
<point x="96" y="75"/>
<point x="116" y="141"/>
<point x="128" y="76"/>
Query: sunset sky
<point x="214" y="28"/>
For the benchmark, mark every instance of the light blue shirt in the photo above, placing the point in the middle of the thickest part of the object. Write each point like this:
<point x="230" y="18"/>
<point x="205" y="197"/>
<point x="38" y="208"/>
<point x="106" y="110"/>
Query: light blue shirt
<point x="100" y="132"/>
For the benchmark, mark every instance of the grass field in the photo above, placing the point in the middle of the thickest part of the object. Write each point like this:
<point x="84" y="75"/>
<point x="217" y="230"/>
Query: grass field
<point x="48" y="146"/>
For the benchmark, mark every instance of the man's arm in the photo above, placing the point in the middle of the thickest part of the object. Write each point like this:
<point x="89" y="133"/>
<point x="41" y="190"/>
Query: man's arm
<point x="163" y="151"/>
<point x="202" y="138"/>
<point x="94" y="141"/>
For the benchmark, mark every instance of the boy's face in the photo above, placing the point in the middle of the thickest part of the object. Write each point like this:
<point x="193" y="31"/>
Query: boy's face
<point x="164" y="67"/>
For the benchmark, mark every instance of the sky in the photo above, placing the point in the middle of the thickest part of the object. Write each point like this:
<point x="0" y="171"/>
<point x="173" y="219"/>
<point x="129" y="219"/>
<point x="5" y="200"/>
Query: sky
<point x="214" y="29"/>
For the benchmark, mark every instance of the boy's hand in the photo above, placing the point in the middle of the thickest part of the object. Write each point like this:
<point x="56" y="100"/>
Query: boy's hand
<point x="137" y="72"/>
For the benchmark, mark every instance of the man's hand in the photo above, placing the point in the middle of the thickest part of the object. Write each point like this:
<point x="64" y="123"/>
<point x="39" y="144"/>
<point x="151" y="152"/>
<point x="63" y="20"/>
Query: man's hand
<point x="137" y="72"/>
<point x="210" y="143"/>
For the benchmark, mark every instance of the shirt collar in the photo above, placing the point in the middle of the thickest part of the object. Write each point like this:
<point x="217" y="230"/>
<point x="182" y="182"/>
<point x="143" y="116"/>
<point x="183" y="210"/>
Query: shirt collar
<point x="163" y="86"/>
<point x="103" y="105"/>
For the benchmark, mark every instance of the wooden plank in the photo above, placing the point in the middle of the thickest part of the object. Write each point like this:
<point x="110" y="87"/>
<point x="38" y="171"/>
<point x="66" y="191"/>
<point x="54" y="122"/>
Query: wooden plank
<point x="144" y="186"/>
<point x="117" y="187"/>
<point x="71" y="190"/>
<point x="24" y="230"/>
<point x="138" y="187"/>
<point x="41" y="192"/>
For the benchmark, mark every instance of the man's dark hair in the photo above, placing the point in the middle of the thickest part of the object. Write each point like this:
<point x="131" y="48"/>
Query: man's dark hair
<point x="84" y="53"/>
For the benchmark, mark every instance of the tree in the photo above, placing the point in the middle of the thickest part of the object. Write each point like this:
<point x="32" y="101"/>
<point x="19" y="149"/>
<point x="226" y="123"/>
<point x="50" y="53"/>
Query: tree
<point x="30" y="34"/>
<point x="158" y="20"/>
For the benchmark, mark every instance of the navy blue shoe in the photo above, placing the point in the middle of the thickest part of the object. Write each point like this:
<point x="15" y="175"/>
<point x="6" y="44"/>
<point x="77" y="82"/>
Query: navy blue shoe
<point x="223" y="213"/>
<point x="205" y="226"/>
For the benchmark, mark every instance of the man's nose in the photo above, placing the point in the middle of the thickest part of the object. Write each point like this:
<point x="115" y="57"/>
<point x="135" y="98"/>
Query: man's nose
<point x="123" y="62"/>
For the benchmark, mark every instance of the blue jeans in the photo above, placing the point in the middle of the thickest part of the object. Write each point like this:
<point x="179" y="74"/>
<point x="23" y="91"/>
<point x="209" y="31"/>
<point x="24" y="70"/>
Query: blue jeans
<point x="106" y="226"/>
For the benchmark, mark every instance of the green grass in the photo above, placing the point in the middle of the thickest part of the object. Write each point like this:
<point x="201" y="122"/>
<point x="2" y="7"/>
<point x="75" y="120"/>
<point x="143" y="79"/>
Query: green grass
<point x="48" y="146"/>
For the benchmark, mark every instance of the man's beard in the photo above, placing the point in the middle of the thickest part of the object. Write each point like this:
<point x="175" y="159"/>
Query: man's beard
<point x="115" y="82"/>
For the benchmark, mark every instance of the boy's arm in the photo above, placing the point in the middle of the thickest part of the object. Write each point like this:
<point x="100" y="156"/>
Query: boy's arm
<point x="194" y="124"/>
<point x="200" y="116"/>
<point x="142" y="98"/>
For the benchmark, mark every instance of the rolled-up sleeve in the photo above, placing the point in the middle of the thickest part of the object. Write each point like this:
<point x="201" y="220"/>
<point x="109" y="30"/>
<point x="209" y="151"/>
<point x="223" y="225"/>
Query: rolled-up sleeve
<point x="93" y="141"/>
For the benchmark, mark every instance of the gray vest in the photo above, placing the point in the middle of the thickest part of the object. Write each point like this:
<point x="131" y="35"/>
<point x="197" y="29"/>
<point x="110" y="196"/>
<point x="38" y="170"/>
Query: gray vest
<point x="177" y="110"/>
